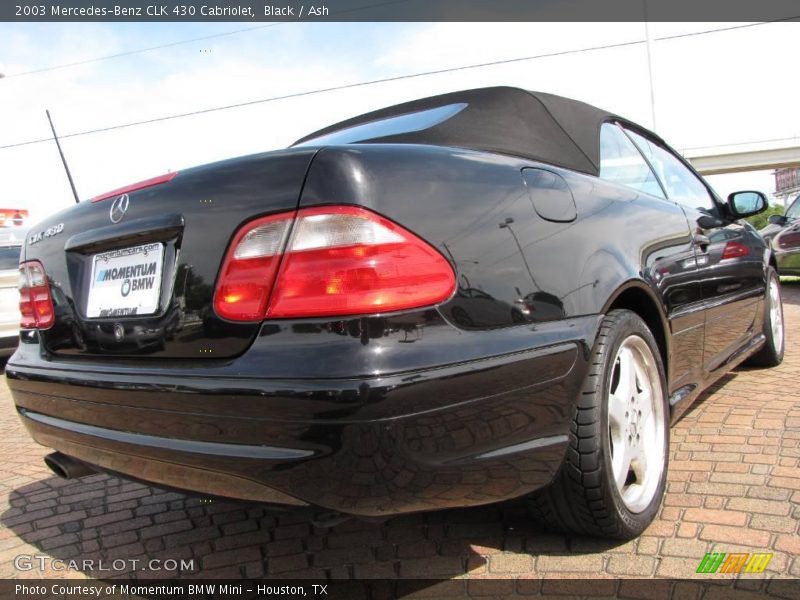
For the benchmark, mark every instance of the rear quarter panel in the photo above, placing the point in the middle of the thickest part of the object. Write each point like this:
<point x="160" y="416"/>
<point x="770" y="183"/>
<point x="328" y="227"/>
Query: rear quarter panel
<point x="457" y="201"/>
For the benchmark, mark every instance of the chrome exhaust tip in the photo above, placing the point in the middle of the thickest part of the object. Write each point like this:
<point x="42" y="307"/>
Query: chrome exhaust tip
<point x="67" y="467"/>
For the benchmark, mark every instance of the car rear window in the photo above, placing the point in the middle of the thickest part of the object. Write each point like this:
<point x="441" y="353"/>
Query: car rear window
<point x="9" y="257"/>
<point x="408" y="123"/>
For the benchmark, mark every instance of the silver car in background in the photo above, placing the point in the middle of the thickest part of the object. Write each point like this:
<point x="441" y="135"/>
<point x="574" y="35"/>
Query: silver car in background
<point x="10" y="246"/>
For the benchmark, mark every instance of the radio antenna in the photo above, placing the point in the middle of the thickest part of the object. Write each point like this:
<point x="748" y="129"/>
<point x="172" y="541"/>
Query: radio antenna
<point x="63" y="160"/>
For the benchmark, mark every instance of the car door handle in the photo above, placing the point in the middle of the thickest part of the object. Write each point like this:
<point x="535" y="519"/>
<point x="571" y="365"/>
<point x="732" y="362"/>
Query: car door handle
<point x="702" y="241"/>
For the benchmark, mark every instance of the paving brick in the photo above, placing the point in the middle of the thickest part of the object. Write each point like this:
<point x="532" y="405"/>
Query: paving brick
<point x="59" y="541"/>
<point x="790" y="471"/>
<point x="120" y="539"/>
<point x="509" y="562"/>
<point x="127" y="525"/>
<point x="239" y="527"/>
<point x="578" y="563"/>
<point x="716" y="489"/>
<point x="30" y="517"/>
<point x="683" y="547"/>
<point x="768" y="493"/>
<point x="292" y="562"/>
<point x="766" y="507"/>
<point x="773" y="523"/>
<point x="720" y="517"/>
<point x="149" y="509"/>
<point x="735" y="535"/>
<point x="108" y="518"/>
<point x="191" y="535"/>
<point x="419" y="549"/>
<point x="679" y="568"/>
<point x="661" y="528"/>
<point x="230" y="557"/>
<point x="647" y="545"/>
<point x="632" y="566"/>
<point x="375" y="570"/>
<point x="291" y="531"/>
<point x="740" y="478"/>
<point x="164" y="529"/>
<point x="788" y="543"/>
<point x="283" y="547"/>
<point x="249" y="538"/>
<point x="784" y="482"/>
<point x="683" y="500"/>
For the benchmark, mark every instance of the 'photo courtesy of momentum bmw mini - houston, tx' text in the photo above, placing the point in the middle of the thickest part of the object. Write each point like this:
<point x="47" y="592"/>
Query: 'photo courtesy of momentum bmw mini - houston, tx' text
<point x="504" y="329"/>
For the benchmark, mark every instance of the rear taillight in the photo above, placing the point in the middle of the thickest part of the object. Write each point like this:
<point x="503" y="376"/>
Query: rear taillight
<point x="250" y="266"/>
<point x="734" y="250"/>
<point x="35" y="302"/>
<point x="338" y="260"/>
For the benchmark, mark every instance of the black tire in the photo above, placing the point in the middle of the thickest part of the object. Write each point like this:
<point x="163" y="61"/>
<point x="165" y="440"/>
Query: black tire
<point x="771" y="355"/>
<point x="583" y="497"/>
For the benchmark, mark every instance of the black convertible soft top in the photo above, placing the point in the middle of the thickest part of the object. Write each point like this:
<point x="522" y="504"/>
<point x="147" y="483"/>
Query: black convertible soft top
<point x="535" y="125"/>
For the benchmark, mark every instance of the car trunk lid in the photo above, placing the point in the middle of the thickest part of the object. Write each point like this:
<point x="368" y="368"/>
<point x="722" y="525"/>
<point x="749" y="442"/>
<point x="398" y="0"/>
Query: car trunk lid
<point x="132" y="272"/>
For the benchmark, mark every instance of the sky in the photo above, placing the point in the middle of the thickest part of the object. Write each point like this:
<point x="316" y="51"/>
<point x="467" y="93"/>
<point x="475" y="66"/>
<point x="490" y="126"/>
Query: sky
<point x="712" y="90"/>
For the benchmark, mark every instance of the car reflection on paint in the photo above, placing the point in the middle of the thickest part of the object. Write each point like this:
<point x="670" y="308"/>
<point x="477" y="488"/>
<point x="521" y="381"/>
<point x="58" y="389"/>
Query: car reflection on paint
<point x="541" y="306"/>
<point x="472" y="307"/>
<point x="783" y="233"/>
<point x="115" y="338"/>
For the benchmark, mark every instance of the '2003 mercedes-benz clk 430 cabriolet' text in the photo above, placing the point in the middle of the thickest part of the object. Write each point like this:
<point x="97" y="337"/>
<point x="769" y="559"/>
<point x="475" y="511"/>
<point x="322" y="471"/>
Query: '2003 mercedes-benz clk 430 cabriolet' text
<point x="455" y="301"/>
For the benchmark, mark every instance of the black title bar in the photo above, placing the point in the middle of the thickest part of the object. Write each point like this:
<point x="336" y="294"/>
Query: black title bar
<point x="397" y="10"/>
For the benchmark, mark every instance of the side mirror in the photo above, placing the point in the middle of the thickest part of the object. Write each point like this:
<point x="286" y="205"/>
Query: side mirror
<point x="747" y="204"/>
<point x="709" y="222"/>
<point x="777" y="220"/>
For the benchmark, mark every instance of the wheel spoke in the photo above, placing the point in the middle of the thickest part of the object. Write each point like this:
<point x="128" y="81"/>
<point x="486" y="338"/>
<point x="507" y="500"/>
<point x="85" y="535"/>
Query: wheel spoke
<point x="645" y="407"/>
<point x="627" y="374"/>
<point x="639" y="464"/>
<point x="617" y="415"/>
<point x="622" y="463"/>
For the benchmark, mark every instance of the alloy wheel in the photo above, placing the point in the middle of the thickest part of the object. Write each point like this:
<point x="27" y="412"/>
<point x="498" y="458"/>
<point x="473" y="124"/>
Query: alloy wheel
<point x="636" y="424"/>
<point x="776" y="314"/>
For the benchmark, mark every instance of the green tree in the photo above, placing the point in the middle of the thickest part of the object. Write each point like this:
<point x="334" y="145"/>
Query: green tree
<point x="760" y="221"/>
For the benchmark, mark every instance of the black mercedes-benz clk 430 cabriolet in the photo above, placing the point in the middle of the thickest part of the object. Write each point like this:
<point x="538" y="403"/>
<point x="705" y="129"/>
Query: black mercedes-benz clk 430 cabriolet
<point x="455" y="301"/>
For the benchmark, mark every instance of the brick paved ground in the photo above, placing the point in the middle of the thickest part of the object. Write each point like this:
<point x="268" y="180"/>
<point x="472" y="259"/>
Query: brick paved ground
<point x="734" y="485"/>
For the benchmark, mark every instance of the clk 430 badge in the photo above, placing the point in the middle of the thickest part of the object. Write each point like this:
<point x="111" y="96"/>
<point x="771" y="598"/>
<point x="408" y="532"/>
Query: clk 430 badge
<point x="49" y="232"/>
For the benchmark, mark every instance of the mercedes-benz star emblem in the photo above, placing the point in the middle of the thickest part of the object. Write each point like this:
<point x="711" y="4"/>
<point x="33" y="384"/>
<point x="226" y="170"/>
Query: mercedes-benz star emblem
<point x="119" y="208"/>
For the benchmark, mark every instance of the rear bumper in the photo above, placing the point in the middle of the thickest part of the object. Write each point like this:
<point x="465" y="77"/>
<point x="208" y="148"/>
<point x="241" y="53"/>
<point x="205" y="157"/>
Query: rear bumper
<point x="463" y="434"/>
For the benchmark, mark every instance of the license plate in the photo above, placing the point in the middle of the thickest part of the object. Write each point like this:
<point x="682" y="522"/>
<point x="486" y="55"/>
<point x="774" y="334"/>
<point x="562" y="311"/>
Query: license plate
<point x="126" y="282"/>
